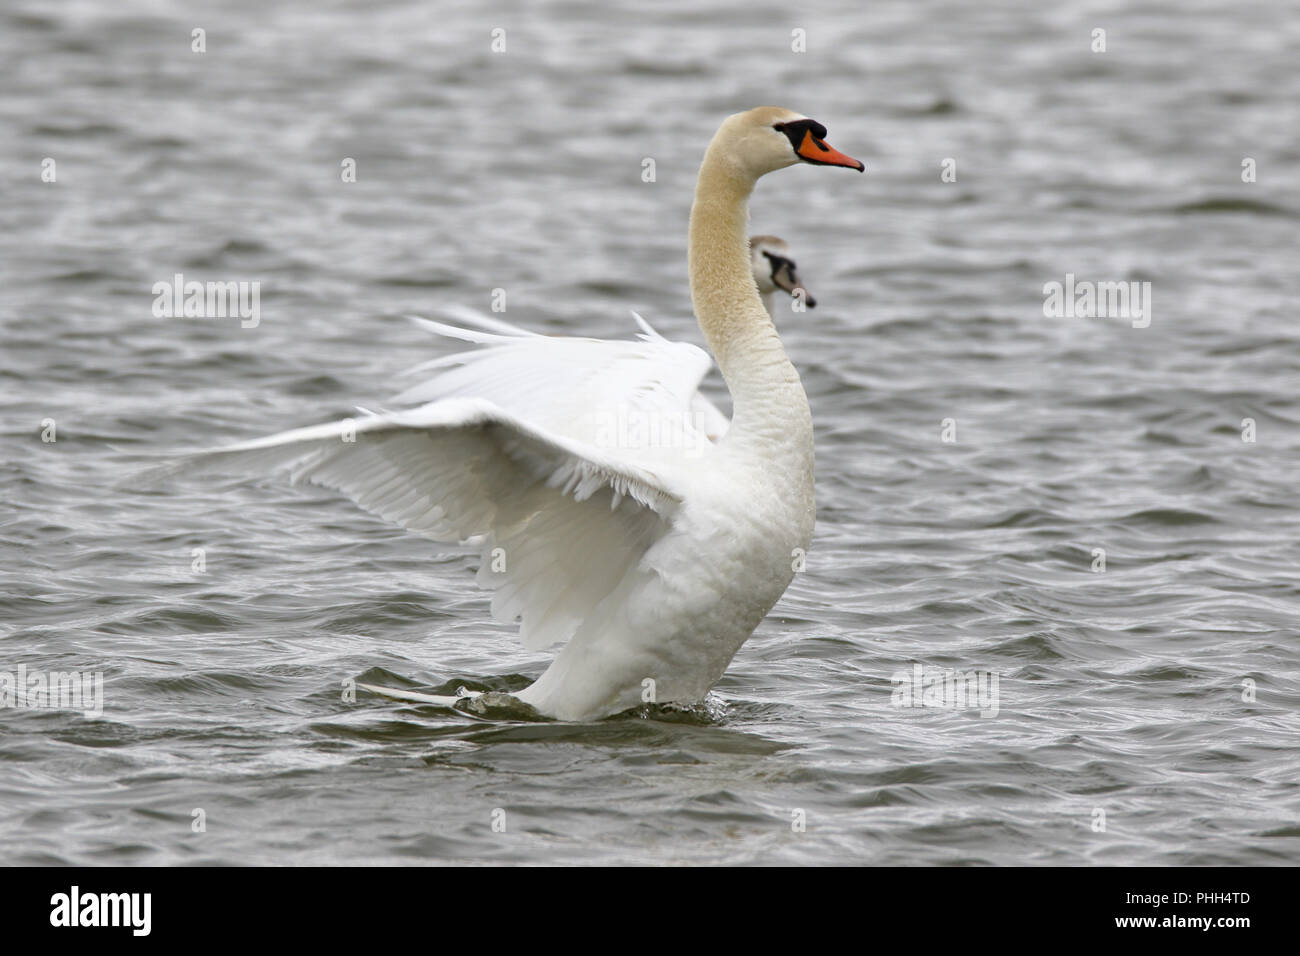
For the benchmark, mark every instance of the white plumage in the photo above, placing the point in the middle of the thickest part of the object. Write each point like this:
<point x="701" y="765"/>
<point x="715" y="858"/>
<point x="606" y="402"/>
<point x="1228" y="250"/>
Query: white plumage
<point x="617" y="510"/>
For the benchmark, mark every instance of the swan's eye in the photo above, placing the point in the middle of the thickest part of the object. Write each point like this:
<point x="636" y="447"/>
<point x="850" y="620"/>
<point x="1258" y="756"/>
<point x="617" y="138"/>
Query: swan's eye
<point x="807" y="138"/>
<point x="777" y="263"/>
<point x="797" y="130"/>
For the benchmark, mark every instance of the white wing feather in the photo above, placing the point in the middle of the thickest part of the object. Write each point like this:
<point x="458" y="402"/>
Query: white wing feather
<point x="581" y="387"/>
<point x="570" y="521"/>
<point x="519" y="445"/>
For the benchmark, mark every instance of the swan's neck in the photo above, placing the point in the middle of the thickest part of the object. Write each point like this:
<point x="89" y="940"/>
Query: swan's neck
<point x="773" y="301"/>
<point x="768" y="399"/>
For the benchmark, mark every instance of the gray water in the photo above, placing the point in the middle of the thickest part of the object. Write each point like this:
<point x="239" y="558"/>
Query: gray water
<point x="1160" y="692"/>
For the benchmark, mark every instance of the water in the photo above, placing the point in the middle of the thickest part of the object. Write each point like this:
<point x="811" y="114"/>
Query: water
<point x="1119" y="691"/>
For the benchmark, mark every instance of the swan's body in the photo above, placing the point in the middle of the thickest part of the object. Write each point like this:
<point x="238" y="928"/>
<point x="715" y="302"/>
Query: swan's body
<point x="615" y="508"/>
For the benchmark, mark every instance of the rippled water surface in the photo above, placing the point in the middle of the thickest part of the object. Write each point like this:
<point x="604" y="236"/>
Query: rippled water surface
<point x="1126" y="691"/>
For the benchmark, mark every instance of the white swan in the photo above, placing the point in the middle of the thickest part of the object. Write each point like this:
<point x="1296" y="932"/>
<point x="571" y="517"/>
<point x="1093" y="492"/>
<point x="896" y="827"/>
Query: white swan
<point x="584" y="470"/>
<point x="775" y="273"/>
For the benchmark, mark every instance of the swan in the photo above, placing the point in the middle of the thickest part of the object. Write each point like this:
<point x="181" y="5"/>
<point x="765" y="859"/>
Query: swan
<point x="617" y="511"/>
<point x="775" y="272"/>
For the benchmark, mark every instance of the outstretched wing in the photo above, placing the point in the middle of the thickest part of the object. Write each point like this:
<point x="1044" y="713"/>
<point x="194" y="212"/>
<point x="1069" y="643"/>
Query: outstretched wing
<point x="642" y="394"/>
<point x="570" y="518"/>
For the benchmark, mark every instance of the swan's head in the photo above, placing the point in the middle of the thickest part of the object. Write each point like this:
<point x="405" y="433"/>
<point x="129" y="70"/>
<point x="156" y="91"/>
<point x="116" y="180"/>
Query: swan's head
<point x="774" y="268"/>
<point x="769" y="138"/>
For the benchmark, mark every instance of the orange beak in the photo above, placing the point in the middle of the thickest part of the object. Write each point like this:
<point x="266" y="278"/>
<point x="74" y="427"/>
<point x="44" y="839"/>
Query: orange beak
<point x="813" y="150"/>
